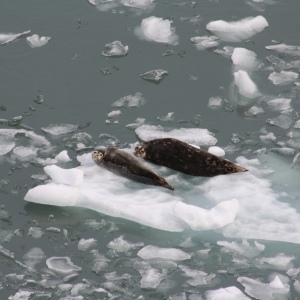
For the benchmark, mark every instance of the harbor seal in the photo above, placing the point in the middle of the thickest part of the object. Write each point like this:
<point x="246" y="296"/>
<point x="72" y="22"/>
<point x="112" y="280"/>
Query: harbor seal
<point x="126" y="165"/>
<point x="185" y="158"/>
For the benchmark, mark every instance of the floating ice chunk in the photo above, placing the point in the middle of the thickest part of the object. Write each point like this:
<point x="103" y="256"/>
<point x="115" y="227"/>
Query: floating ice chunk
<point x="157" y="30"/>
<point x="284" y="151"/>
<point x="115" y="49"/>
<point x="150" y="251"/>
<point x="135" y="100"/>
<point x="215" y="102"/>
<point x="245" y="85"/>
<point x="35" y="41"/>
<point x="25" y="153"/>
<point x="38" y="139"/>
<point x="35" y="232"/>
<point x="114" y="113"/>
<point x="151" y="278"/>
<point x="229" y="293"/>
<point x="62" y="265"/>
<point x="293" y="271"/>
<point x="21" y="295"/>
<point x="187" y="243"/>
<point x="280" y="103"/>
<point x="263" y="291"/>
<point x="226" y="52"/>
<point x="138" y="122"/>
<point x="167" y="118"/>
<point x="85" y="244"/>
<point x="279" y="262"/>
<point x="198" y="277"/>
<point x="146" y="5"/>
<point x="281" y="121"/>
<point x="268" y="137"/>
<point x="63" y="157"/>
<point x="283" y="48"/>
<point x="155" y="76"/>
<point x="216" y="151"/>
<point x="180" y="296"/>
<point x="244" y="59"/>
<point x="279" y="63"/>
<point x="276" y="283"/>
<point x="282" y="78"/>
<point x="198" y="218"/>
<point x="205" y="42"/>
<point x="243" y="248"/>
<point x="197" y="136"/>
<point x="7" y="139"/>
<point x="7" y="38"/>
<point x="121" y="245"/>
<point x="80" y="141"/>
<point x="73" y="177"/>
<point x="254" y="111"/>
<point x="54" y="129"/>
<point x="239" y="30"/>
<point x="34" y="256"/>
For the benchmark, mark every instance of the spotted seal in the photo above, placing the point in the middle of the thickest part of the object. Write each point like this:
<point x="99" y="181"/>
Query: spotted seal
<point x="185" y="158"/>
<point x="126" y="165"/>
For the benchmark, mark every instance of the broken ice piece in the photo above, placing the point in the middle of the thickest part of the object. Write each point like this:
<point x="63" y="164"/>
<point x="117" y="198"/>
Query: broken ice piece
<point x="281" y="121"/>
<point x="85" y="244"/>
<point x="244" y="58"/>
<point x="278" y="63"/>
<point x="138" y="122"/>
<point x="205" y="42"/>
<point x="25" y="153"/>
<point x="282" y="78"/>
<point x="7" y="38"/>
<point x="254" y="111"/>
<point x="35" y="41"/>
<point x="62" y="265"/>
<point x="283" y="48"/>
<point x="150" y="251"/>
<point x="155" y="76"/>
<point x="135" y="100"/>
<point x="63" y="157"/>
<point x="114" y="113"/>
<point x="167" y="118"/>
<point x="245" y="85"/>
<point x="215" y="102"/>
<point x="145" y="5"/>
<point x="115" y="49"/>
<point x="55" y="129"/>
<point x="279" y="103"/>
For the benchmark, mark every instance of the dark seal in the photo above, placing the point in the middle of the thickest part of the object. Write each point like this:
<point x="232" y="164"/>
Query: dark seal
<point x="126" y="165"/>
<point x="185" y="158"/>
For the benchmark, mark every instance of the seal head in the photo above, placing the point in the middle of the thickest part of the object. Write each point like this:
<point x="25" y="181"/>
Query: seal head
<point x="140" y="150"/>
<point x="98" y="156"/>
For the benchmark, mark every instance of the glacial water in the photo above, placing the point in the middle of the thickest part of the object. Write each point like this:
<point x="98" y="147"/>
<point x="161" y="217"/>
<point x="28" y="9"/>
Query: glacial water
<point x="222" y="75"/>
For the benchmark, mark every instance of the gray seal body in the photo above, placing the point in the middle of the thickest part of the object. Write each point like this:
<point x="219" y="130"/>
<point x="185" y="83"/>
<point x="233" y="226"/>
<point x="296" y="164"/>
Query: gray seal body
<point x="126" y="165"/>
<point x="185" y="158"/>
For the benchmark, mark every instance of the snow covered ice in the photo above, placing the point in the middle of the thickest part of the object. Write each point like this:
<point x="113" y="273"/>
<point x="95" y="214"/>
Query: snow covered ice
<point x="157" y="30"/>
<point x="35" y="41"/>
<point x="239" y="30"/>
<point x="245" y="85"/>
<point x="244" y="59"/>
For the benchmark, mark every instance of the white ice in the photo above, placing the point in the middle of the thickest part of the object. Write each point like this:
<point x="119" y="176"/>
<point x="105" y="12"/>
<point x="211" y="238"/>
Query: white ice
<point x="138" y="122"/>
<point x="280" y="103"/>
<point x="121" y="245"/>
<point x="228" y="293"/>
<point x="35" y="41"/>
<point x="287" y="49"/>
<point x="150" y="251"/>
<point x="245" y="85"/>
<point x="215" y="102"/>
<point x="37" y="139"/>
<point x="135" y="100"/>
<point x="244" y="59"/>
<point x="72" y="177"/>
<point x="239" y="30"/>
<point x="254" y="111"/>
<point x="25" y="153"/>
<point x="35" y="232"/>
<point x="62" y="265"/>
<point x="205" y="42"/>
<point x="198" y="277"/>
<point x="197" y="136"/>
<point x="34" y="256"/>
<point x="280" y="262"/>
<point x="85" y="244"/>
<point x="216" y="151"/>
<point x="157" y="30"/>
<point x="114" y="113"/>
<point x="167" y="118"/>
<point x="283" y="78"/>
<point x="7" y="37"/>
<point x="55" y="129"/>
<point x="279" y="63"/>
<point x="63" y="157"/>
<point x="146" y="5"/>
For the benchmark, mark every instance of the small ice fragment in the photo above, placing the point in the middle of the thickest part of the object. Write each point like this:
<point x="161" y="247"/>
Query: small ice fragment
<point x="111" y="121"/>
<point x="283" y="151"/>
<point x="115" y="49"/>
<point x="228" y="293"/>
<point x="215" y="102"/>
<point x="135" y="100"/>
<point x="44" y="162"/>
<point x="138" y="122"/>
<point x="244" y="59"/>
<point x="35" y="41"/>
<point x="197" y="277"/>
<point x="53" y="229"/>
<point x="6" y="252"/>
<point x="269" y="137"/>
<point x="151" y="279"/>
<point x="226" y="52"/>
<point x="146" y="5"/>
<point x="167" y="118"/>
<point x="150" y="251"/>
<point x="157" y="30"/>
<point x="155" y="76"/>
<point x="38" y="139"/>
<point x="216" y="151"/>
<point x="63" y="157"/>
<point x="278" y="63"/>
<point x="73" y="177"/>
<point x="282" y="78"/>
<point x="280" y="103"/>
<point x="80" y="141"/>
<point x="7" y="38"/>
<point x="21" y="295"/>
<point x="187" y="243"/>
<point x="34" y="256"/>
<point x="35" y="232"/>
<point x="197" y="136"/>
<point x="25" y="153"/>
<point x="283" y="48"/>
<point x="5" y="215"/>
<point x="114" y="113"/>
<point x="85" y="244"/>
<point x="205" y="42"/>
<point x="55" y="129"/>
<point x="276" y="283"/>
<point x="281" y="121"/>
<point x="254" y="111"/>
<point x="121" y="245"/>
<point x="245" y="85"/>
<point x="62" y="265"/>
<point x="280" y="262"/>
<point x="239" y="30"/>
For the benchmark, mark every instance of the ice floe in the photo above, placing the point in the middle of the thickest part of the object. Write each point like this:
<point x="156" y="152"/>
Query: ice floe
<point x="239" y="30"/>
<point x="115" y="49"/>
<point x="157" y="30"/>
<point x="145" y="5"/>
<point x="121" y="245"/>
<point x="279" y="63"/>
<point x="167" y="118"/>
<point x="197" y="136"/>
<point x="245" y="85"/>
<point x="6" y="38"/>
<point x="135" y="100"/>
<point x="85" y="244"/>
<point x="34" y="256"/>
<point x="282" y="121"/>
<point x="244" y="59"/>
<point x="149" y="252"/>
<point x="287" y="49"/>
<point x="282" y="78"/>
<point x="25" y="153"/>
<point x="205" y="42"/>
<point x="62" y="265"/>
<point x="155" y="76"/>
<point x="57" y="129"/>
<point x="63" y="157"/>
<point x="35" y="41"/>
<point x="228" y="293"/>
<point x="7" y="139"/>
<point x="280" y="103"/>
